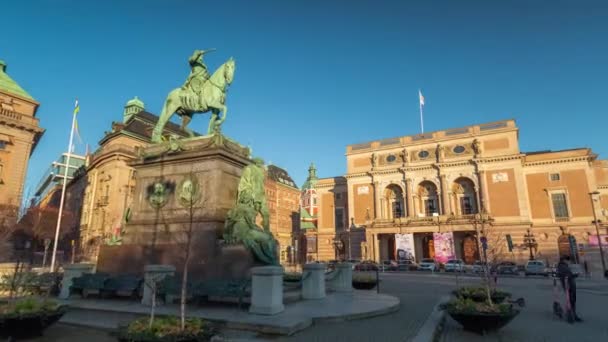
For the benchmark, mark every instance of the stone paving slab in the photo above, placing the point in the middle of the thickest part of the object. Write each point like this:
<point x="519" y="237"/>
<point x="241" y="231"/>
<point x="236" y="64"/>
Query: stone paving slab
<point x="297" y="316"/>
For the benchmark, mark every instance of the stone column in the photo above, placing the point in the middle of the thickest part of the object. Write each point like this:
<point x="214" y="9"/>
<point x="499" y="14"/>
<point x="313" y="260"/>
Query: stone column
<point x="415" y="204"/>
<point x="266" y="290"/>
<point x="376" y="238"/>
<point x="153" y="274"/>
<point x="313" y="286"/>
<point x="377" y="200"/>
<point x="409" y="198"/>
<point x="343" y="282"/>
<point x="485" y="203"/>
<point x="70" y="272"/>
<point x="445" y="199"/>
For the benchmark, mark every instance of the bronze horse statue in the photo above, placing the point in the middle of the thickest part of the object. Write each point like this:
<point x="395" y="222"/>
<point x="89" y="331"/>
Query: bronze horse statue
<point x="186" y="102"/>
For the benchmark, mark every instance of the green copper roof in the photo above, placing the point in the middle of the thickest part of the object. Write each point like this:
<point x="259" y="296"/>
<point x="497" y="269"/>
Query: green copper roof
<point x="312" y="179"/>
<point x="135" y="102"/>
<point x="8" y="85"/>
<point x="307" y="225"/>
<point x="304" y="214"/>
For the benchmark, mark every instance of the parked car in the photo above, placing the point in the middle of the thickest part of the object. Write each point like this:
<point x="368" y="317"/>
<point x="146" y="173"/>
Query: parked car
<point x="367" y="265"/>
<point x="428" y="265"/>
<point x="536" y="267"/>
<point x="388" y="265"/>
<point x="455" y="265"/>
<point x="407" y="265"/>
<point x="479" y="267"/>
<point x="576" y="269"/>
<point x="507" y="267"/>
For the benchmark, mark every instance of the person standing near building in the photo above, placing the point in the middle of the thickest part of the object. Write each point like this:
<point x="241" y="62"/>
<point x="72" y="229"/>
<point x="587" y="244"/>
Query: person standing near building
<point x="567" y="278"/>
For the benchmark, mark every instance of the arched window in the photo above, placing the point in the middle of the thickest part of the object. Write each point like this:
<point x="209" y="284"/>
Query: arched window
<point x="393" y="202"/>
<point x="427" y="191"/>
<point x="465" y="196"/>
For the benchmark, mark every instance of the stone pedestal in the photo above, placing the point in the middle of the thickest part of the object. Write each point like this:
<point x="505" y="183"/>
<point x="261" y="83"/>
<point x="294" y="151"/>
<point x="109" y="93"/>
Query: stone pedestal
<point x="343" y="282"/>
<point x="266" y="290"/>
<point x="69" y="273"/>
<point x="154" y="273"/>
<point x="313" y="285"/>
<point x="166" y="177"/>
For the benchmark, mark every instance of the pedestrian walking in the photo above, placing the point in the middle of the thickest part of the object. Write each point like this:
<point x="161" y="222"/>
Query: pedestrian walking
<point x="567" y="278"/>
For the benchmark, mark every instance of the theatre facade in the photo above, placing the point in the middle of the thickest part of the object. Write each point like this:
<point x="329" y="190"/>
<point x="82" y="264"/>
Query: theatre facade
<point x="439" y="194"/>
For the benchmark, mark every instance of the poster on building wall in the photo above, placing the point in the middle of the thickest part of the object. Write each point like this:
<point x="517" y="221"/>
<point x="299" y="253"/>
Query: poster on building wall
<point x="404" y="247"/>
<point x="444" y="246"/>
<point x="593" y="242"/>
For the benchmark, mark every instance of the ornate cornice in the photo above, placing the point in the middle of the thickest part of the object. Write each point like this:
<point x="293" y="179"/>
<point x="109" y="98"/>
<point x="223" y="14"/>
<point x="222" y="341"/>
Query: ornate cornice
<point x="357" y="175"/>
<point x="603" y="187"/>
<point x="559" y="161"/>
<point x="488" y="160"/>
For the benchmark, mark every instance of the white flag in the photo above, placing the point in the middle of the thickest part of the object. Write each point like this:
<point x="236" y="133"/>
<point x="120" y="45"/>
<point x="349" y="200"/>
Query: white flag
<point x="421" y="98"/>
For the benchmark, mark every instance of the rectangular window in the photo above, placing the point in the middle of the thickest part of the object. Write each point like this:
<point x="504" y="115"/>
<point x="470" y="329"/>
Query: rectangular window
<point x="560" y="206"/>
<point x="397" y="212"/>
<point x="555" y="177"/>
<point x="466" y="206"/>
<point x="2" y="145"/>
<point x="311" y="244"/>
<point x="338" y="195"/>
<point x="430" y="207"/>
<point x="339" y="217"/>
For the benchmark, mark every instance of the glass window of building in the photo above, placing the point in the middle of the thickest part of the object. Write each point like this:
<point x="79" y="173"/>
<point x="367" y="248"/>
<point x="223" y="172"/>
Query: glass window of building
<point x="560" y="206"/>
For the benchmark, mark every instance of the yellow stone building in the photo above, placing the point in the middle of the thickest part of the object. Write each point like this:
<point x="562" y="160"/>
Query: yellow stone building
<point x="464" y="183"/>
<point x="20" y="131"/>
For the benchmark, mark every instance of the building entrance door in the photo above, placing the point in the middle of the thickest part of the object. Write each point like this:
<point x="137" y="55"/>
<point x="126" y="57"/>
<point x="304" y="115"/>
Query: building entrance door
<point x="428" y="246"/>
<point x="391" y="247"/>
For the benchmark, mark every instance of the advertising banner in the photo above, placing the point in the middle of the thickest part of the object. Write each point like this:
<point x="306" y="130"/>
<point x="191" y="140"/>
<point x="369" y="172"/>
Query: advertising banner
<point x="593" y="242"/>
<point x="404" y="247"/>
<point x="444" y="246"/>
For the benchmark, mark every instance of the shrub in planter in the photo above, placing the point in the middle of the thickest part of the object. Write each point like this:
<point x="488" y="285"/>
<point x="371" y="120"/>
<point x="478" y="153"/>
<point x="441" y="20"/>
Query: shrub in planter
<point x="480" y="294"/>
<point x="166" y="329"/>
<point x="28" y="317"/>
<point x="364" y="281"/>
<point x="480" y="317"/>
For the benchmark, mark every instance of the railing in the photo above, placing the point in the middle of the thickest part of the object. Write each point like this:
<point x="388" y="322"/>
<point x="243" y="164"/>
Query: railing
<point x="18" y="117"/>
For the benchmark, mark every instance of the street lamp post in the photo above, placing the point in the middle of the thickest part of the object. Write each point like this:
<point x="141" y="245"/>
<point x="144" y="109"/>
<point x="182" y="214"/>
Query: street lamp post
<point x="530" y="241"/>
<point x="597" y="230"/>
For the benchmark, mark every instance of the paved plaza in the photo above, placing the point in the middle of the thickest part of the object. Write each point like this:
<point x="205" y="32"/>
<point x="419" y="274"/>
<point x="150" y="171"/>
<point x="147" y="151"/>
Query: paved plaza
<point x="419" y="293"/>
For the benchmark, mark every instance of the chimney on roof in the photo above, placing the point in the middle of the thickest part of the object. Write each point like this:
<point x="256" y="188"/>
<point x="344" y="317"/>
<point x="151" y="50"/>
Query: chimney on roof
<point x="2" y="65"/>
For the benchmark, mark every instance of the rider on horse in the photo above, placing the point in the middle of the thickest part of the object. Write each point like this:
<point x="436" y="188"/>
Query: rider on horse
<point x="199" y="74"/>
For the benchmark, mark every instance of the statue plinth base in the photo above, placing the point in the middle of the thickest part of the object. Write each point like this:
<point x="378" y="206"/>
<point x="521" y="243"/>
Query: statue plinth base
<point x="161" y="215"/>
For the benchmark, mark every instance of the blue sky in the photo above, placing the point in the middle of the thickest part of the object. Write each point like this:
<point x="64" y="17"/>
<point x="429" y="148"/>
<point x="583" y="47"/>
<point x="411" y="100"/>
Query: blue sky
<point x="314" y="76"/>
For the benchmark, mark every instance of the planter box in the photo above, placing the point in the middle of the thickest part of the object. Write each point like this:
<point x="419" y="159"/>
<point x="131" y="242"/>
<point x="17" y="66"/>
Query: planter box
<point x="29" y="325"/>
<point x="483" y="322"/>
<point x="363" y="285"/>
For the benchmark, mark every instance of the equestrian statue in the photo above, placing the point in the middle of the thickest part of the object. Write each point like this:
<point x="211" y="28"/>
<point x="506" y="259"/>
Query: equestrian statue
<point x="200" y="93"/>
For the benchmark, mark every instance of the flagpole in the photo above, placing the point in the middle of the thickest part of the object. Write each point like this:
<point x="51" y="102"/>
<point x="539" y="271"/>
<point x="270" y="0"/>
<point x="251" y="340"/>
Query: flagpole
<point x="61" y="202"/>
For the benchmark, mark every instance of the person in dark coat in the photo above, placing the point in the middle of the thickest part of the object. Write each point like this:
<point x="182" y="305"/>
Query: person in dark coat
<point x="564" y="273"/>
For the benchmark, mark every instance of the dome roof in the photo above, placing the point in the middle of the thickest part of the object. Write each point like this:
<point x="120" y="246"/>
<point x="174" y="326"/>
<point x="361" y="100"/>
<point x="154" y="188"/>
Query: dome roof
<point x="135" y="102"/>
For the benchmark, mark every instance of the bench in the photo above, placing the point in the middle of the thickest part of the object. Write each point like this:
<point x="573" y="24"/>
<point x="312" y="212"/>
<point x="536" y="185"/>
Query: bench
<point x="221" y="288"/>
<point x="125" y="285"/>
<point x="89" y="283"/>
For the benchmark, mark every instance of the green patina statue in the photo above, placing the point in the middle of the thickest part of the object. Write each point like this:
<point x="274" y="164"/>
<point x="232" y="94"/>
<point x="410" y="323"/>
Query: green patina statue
<point x="241" y="227"/>
<point x="200" y="93"/>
